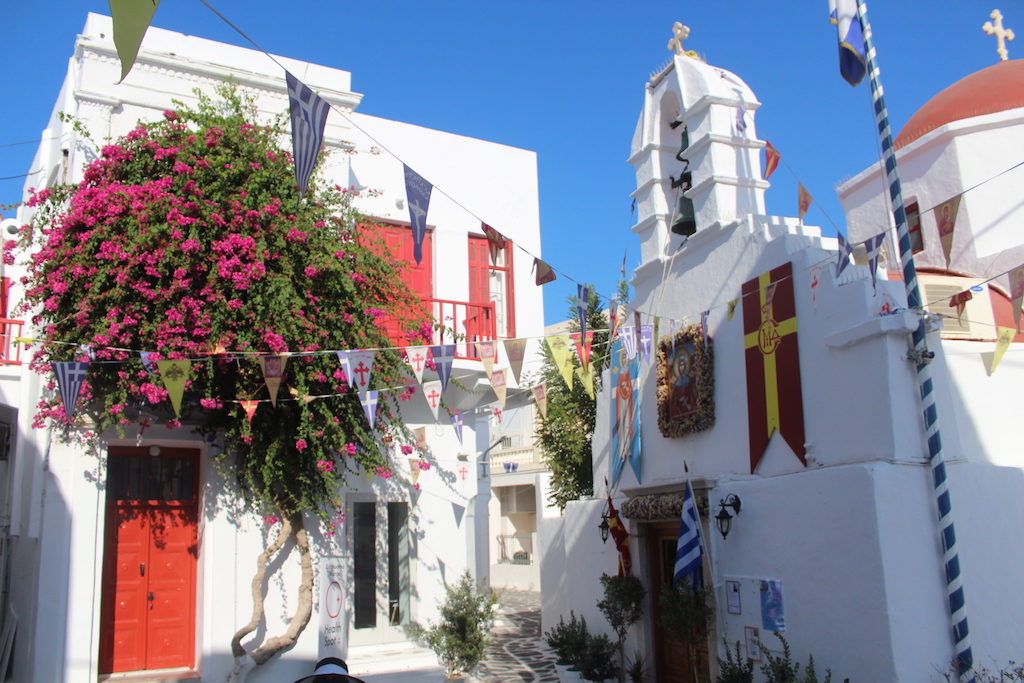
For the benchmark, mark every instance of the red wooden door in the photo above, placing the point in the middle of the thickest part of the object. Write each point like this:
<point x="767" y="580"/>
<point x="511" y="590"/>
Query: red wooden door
<point x="418" y="276"/>
<point x="148" y="602"/>
<point x="479" y="325"/>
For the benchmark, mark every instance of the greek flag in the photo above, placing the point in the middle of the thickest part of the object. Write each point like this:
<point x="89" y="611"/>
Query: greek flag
<point x="852" y="57"/>
<point x="309" y="116"/>
<point x="845" y="252"/>
<point x="874" y="248"/>
<point x="70" y="376"/>
<point x="690" y="547"/>
<point x="369" y="401"/>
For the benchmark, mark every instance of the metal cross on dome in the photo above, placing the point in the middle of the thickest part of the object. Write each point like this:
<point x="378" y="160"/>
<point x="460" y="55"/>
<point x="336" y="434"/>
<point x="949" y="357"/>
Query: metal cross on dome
<point x="1002" y="34"/>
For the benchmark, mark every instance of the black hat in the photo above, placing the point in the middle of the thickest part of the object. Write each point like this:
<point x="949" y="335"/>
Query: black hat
<point x="330" y="670"/>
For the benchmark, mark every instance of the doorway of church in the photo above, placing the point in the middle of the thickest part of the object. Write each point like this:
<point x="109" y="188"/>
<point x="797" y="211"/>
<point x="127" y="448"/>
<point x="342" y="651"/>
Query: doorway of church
<point x="148" y="602"/>
<point x="381" y="581"/>
<point x="674" y="662"/>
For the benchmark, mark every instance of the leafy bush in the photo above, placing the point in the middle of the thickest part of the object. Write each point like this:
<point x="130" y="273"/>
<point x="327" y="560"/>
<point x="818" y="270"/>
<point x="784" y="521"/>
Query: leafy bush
<point x="568" y="640"/>
<point x="598" y="660"/>
<point x="636" y="668"/>
<point x="623" y="605"/>
<point x="461" y="638"/>
<point x="739" y="670"/>
<point x="783" y="670"/>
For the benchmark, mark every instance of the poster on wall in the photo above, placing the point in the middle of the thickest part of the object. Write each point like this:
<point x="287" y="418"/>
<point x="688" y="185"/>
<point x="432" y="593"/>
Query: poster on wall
<point x="773" y="612"/>
<point x="625" y="422"/>
<point x="333" y="631"/>
<point x="686" y="382"/>
<point x="752" y="638"/>
<point x="732" y="597"/>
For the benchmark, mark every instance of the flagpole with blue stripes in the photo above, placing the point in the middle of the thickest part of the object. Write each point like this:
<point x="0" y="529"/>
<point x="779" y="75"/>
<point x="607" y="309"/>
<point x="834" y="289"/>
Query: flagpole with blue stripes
<point x="921" y="356"/>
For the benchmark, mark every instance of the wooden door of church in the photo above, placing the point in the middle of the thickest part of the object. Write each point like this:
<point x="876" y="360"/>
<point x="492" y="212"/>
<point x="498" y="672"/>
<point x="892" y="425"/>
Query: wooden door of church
<point x="673" y="662"/>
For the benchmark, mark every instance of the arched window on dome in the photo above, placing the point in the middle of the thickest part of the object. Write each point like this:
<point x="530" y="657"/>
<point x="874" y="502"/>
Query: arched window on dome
<point x="914" y="225"/>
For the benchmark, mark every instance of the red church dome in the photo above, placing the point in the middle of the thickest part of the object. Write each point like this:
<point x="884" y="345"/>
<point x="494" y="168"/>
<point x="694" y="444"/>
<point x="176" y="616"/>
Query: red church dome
<point x="999" y="87"/>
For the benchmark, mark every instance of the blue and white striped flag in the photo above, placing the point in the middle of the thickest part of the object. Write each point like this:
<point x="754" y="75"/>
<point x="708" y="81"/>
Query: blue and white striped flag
<point x="70" y="376"/>
<point x="845" y="252"/>
<point x="873" y="247"/>
<point x="690" y="547"/>
<point x="309" y="116"/>
<point x="852" y="56"/>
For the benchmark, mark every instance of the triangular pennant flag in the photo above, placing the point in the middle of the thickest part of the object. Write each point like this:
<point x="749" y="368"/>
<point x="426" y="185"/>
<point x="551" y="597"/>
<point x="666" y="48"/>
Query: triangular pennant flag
<point x="432" y="391"/>
<point x="496" y="242"/>
<point x="704" y="327"/>
<point x="414" y="466"/>
<point x="369" y="401"/>
<point x="945" y="219"/>
<point x="873" y="247"/>
<point x="273" y="370"/>
<point x="444" y="356"/>
<point x="1017" y="292"/>
<point x="346" y="367"/>
<point x="959" y="302"/>
<point x="488" y="353"/>
<point x="421" y="438"/>
<point x="992" y="359"/>
<point x="174" y="374"/>
<point x="414" y="498"/>
<point x="70" y="376"/>
<point x="583" y="347"/>
<point x="732" y="309"/>
<point x="89" y="351"/>
<point x="309" y="116"/>
<point x="582" y="300"/>
<point x="515" y="350"/>
<point x="361" y="363"/>
<point x="150" y="365"/>
<point x="647" y="342"/>
<point x="803" y="200"/>
<point x="540" y="395"/>
<point x="636" y="327"/>
<point x="416" y="357"/>
<point x="613" y="318"/>
<point x="498" y="384"/>
<point x="250" y="409"/>
<point x="586" y="375"/>
<point x="559" y="345"/>
<point x="496" y="411"/>
<point x="628" y="339"/>
<point x="845" y="252"/>
<point x="459" y="511"/>
<point x="131" y="19"/>
<point x="771" y="159"/>
<point x="417" y="191"/>
<point x="544" y="272"/>
<point x="457" y="422"/>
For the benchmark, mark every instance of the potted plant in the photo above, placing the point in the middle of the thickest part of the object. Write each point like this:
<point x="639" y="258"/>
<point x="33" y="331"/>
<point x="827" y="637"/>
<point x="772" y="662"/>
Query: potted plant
<point x="461" y="637"/>
<point x="623" y="605"/>
<point x="686" y="613"/>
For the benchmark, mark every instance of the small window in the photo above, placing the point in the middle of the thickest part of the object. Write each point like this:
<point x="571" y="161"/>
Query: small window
<point x="914" y="226"/>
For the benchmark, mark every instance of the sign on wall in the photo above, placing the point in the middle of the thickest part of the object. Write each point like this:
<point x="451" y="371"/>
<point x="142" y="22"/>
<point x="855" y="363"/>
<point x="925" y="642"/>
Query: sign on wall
<point x="333" y="617"/>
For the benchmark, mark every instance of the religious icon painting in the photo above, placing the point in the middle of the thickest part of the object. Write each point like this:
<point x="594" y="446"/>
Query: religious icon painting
<point x="686" y="382"/>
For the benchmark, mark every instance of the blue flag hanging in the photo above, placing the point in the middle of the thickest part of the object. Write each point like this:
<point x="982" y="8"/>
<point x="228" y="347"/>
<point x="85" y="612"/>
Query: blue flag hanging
<point x="444" y="356"/>
<point x="309" y="116"/>
<point x="690" y="547"/>
<point x="845" y="252"/>
<point x="457" y="422"/>
<point x="369" y="401"/>
<point x="70" y="376"/>
<point x="873" y="247"/>
<point x="417" y="191"/>
<point x="583" y="298"/>
<point x="852" y="57"/>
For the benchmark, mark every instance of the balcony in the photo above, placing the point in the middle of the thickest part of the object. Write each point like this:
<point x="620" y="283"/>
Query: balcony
<point x="463" y="324"/>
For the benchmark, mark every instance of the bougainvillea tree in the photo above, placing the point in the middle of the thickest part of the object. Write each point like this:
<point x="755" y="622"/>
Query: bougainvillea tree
<point x="187" y="239"/>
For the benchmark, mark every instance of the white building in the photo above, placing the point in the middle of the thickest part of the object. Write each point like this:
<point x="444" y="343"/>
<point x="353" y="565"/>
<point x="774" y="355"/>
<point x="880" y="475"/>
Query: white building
<point x="843" y="518"/>
<point x="398" y="545"/>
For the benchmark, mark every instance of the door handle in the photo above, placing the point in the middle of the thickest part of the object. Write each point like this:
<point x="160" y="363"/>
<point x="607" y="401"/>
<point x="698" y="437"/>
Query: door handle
<point x="150" y="598"/>
<point x="142" y="568"/>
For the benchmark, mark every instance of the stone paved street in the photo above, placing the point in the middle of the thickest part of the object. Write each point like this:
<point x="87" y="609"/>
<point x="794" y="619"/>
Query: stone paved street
<point x="518" y="652"/>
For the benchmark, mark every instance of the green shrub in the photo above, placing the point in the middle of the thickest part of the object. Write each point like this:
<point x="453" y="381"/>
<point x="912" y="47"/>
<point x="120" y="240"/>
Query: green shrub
<point x="623" y="605"/>
<point x="598" y="660"/>
<point x="782" y="670"/>
<point x="568" y="641"/>
<point x="739" y="670"/>
<point x="461" y="637"/>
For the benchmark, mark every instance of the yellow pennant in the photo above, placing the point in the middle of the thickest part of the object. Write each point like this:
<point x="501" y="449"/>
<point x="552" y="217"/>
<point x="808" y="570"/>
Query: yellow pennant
<point x="415" y="465"/>
<point x="992" y="358"/>
<point x="559" y="345"/>
<point x="131" y="21"/>
<point x="587" y="378"/>
<point x="250" y="409"/>
<point x="273" y="370"/>
<point x="499" y="386"/>
<point x="732" y="309"/>
<point x="541" y="396"/>
<point x="515" y="349"/>
<point x="174" y="374"/>
<point x="488" y="353"/>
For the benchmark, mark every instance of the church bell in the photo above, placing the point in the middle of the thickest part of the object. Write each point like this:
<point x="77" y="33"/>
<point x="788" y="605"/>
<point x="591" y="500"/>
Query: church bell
<point x="686" y="221"/>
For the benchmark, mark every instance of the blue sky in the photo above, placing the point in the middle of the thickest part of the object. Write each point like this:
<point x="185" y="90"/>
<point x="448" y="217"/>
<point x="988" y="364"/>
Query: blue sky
<point x="562" y="78"/>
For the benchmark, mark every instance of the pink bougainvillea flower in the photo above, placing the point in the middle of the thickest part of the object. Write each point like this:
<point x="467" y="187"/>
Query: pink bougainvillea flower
<point x="300" y="445"/>
<point x="270" y="520"/>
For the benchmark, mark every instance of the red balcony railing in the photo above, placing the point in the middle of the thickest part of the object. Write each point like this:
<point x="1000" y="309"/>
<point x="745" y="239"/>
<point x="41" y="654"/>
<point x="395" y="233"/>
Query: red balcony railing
<point x="462" y="323"/>
<point x="10" y="351"/>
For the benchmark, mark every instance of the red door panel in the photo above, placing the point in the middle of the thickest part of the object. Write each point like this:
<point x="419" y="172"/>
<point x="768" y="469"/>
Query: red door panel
<point x="171" y="582"/>
<point x="124" y="622"/>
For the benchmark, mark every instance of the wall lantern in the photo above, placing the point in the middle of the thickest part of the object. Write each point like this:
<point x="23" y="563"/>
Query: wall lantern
<point x="723" y="519"/>
<point x="604" y="527"/>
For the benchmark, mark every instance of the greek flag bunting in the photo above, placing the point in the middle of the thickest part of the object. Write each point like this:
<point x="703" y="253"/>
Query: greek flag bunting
<point x="70" y="376"/>
<point x="845" y="252"/>
<point x="690" y="548"/>
<point x="369" y="401"/>
<point x="418" y="192"/>
<point x="309" y="116"/>
<point x="873" y="247"/>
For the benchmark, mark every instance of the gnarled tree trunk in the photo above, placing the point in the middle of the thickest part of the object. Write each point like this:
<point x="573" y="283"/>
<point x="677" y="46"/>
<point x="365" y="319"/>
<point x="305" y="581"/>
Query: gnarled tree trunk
<point x="291" y="527"/>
